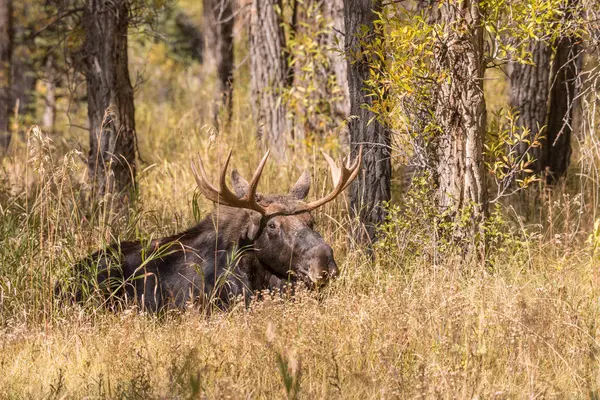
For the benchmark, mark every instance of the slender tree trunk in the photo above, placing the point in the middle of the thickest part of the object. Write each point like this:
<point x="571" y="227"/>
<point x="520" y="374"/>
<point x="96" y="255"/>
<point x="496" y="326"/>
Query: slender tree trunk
<point x="111" y="163"/>
<point x="50" y="98"/>
<point x="219" y="17"/>
<point x="334" y="9"/>
<point x="562" y="97"/>
<point x="24" y="73"/>
<point x="529" y="90"/>
<point x="5" y="68"/>
<point x="49" y="116"/>
<point x="269" y="68"/>
<point x="372" y="187"/>
<point x="24" y="81"/>
<point x="460" y="110"/>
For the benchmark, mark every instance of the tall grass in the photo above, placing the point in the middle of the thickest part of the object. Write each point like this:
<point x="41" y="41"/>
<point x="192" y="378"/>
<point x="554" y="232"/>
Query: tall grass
<point x="420" y="321"/>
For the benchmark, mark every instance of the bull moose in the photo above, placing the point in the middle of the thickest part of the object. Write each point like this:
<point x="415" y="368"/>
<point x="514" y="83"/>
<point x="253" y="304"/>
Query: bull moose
<point x="249" y="242"/>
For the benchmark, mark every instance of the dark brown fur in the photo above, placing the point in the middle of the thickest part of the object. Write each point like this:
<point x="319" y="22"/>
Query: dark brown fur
<point x="232" y="252"/>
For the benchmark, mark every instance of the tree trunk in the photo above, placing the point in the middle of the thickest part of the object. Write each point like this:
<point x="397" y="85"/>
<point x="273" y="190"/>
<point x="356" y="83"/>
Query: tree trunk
<point x="334" y="10"/>
<point x="562" y="95"/>
<point x="529" y="89"/>
<point x="111" y="162"/>
<point x="24" y="73"/>
<point x="50" y="98"/>
<point x="24" y="81"/>
<point x="219" y="17"/>
<point x="372" y="187"/>
<point x="460" y="111"/>
<point x="49" y="116"/>
<point x="269" y="69"/>
<point x="5" y="68"/>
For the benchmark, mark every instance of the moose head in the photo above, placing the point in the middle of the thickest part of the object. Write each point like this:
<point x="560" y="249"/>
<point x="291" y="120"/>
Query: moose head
<point x="281" y="227"/>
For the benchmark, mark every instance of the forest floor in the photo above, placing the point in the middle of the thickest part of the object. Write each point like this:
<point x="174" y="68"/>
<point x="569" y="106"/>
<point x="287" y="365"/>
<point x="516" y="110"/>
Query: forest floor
<point x="526" y="330"/>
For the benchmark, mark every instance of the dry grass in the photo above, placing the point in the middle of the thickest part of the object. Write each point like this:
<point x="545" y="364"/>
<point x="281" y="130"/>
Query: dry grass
<point x="406" y="326"/>
<point x="437" y="333"/>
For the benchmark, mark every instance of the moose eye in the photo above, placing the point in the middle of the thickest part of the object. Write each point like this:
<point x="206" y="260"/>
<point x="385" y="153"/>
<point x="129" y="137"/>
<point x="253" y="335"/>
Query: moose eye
<point x="272" y="225"/>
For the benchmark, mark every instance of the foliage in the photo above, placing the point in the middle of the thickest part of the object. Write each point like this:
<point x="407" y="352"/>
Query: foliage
<point x="314" y="91"/>
<point x="403" y="80"/>
<point x="504" y="160"/>
<point x="410" y="229"/>
<point x="414" y="230"/>
<point x="511" y="25"/>
<point x="406" y="73"/>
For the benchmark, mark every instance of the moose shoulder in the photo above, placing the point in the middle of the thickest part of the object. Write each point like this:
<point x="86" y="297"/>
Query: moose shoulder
<point x="248" y="242"/>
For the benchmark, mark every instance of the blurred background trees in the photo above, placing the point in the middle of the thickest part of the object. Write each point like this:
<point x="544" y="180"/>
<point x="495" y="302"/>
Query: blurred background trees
<point x="5" y="70"/>
<point x="219" y="17"/>
<point x="483" y="100"/>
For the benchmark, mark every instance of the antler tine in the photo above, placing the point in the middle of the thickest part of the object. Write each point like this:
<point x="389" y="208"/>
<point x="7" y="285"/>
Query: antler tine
<point x="209" y="191"/>
<point x="224" y="195"/>
<point x="335" y="170"/>
<point x="342" y="177"/>
<point x="355" y="167"/>
<point x="256" y="177"/>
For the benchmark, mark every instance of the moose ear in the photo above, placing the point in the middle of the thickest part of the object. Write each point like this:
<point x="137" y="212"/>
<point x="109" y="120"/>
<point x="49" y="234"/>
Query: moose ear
<point x="300" y="189"/>
<point x="240" y="185"/>
<point x="251" y="228"/>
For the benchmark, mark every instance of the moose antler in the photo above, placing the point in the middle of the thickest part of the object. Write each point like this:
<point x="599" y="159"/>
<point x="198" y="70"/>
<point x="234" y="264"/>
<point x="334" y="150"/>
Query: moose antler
<point x="223" y="195"/>
<point x="342" y="177"/>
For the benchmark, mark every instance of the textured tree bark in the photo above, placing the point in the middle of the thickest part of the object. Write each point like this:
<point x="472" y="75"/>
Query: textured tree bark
<point x="111" y="113"/>
<point x="5" y="69"/>
<point x="461" y="111"/>
<point x="544" y="95"/>
<point x="529" y="90"/>
<point x="219" y="17"/>
<point x="269" y="69"/>
<point x="372" y="187"/>
<point x="562" y="96"/>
